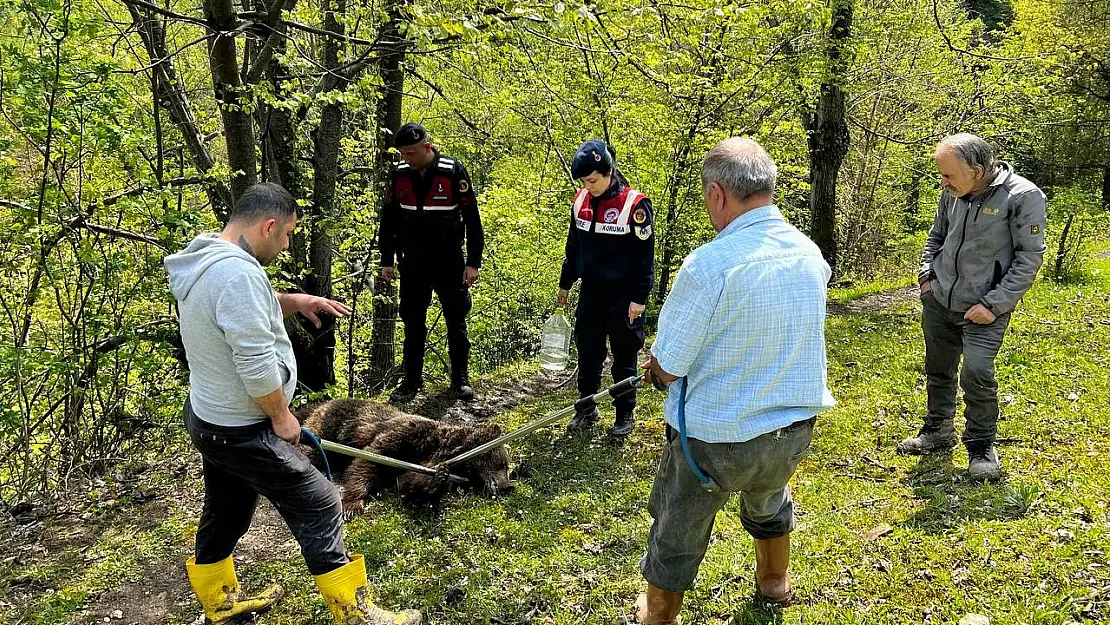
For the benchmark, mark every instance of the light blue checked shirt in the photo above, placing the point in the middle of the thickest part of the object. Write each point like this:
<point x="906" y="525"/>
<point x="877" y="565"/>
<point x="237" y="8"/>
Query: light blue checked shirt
<point x="745" y="324"/>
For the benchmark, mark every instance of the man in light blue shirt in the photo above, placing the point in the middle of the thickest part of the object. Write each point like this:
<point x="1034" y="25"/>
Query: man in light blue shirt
<point x="742" y="338"/>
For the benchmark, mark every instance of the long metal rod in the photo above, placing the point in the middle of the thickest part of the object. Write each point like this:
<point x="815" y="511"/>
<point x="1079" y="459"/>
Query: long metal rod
<point x="537" y="424"/>
<point x="386" y="460"/>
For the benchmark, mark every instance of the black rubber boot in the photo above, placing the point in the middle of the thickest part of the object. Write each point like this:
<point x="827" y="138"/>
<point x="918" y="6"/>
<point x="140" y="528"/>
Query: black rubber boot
<point x="622" y="427"/>
<point x="406" y="392"/>
<point x="584" y="418"/>
<point x="460" y="386"/>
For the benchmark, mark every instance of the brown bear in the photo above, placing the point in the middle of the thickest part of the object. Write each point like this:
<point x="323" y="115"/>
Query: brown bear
<point x="385" y="430"/>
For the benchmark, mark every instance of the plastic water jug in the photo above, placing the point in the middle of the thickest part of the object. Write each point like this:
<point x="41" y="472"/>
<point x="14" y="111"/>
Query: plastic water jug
<point x="555" y="348"/>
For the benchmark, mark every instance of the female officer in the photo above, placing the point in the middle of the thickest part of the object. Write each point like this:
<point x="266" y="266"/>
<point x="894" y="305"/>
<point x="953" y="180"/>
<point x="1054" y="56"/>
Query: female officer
<point x="610" y="247"/>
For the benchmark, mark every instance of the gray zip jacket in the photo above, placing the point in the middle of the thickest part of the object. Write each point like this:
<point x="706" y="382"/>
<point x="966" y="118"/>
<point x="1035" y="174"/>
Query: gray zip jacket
<point x="233" y="331"/>
<point x="986" y="249"/>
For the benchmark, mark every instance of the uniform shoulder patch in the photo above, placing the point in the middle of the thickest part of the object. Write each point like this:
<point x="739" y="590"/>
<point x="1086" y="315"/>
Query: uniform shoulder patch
<point x="1035" y="228"/>
<point x="643" y="232"/>
<point x="464" y="186"/>
<point x="989" y="210"/>
<point x="639" y="215"/>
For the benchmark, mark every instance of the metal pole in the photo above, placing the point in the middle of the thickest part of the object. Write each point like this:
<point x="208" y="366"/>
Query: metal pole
<point x="386" y="460"/>
<point x="622" y="386"/>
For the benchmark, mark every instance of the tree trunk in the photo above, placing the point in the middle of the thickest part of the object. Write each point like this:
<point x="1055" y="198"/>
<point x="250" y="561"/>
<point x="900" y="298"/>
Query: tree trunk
<point x="670" y="237"/>
<point x="1106" y="187"/>
<point x="231" y="95"/>
<point x="827" y="134"/>
<point x="383" y="332"/>
<point x="316" y="358"/>
<point x="176" y="101"/>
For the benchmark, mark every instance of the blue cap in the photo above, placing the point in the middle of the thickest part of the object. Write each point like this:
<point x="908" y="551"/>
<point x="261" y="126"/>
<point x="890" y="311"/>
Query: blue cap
<point x="410" y="134"/>
<point x="593" y="155"/>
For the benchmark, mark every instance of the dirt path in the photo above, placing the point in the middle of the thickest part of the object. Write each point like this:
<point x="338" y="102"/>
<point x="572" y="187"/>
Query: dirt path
<point x="874" y="302"/>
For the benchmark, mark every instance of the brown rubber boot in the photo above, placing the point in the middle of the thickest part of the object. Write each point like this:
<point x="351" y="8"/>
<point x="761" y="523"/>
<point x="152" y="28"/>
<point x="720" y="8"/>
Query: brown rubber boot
<point x="657" y="607"/>
<point x="772" y="559"/>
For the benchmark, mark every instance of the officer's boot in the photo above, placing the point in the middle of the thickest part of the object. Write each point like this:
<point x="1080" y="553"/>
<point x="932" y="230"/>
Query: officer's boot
<point x="935" y="435"/>
<point x="410" y="387"/>
<point x="622" y="427"/>
<point x="460" y="386"/>
<point x="585" y="415"/>
<point x="982" y="462"/>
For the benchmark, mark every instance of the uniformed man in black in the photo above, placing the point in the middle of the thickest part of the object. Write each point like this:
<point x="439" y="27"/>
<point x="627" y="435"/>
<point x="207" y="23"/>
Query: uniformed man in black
<point x="611" y="248"/>
<point x="429" y="210"/>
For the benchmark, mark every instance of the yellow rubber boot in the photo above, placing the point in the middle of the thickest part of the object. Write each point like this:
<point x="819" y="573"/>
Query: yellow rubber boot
<point x="217" y="589"/>
<point x="347" y="594"/>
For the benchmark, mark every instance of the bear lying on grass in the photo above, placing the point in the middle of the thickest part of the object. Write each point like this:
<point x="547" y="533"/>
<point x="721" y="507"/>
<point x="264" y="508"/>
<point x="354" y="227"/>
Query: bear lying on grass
<point x="385" y="430"/>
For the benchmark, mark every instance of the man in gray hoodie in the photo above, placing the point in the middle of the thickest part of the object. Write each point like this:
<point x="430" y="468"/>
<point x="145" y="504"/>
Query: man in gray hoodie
<point x="242" y="374"/>
<point x="982" y="254"/>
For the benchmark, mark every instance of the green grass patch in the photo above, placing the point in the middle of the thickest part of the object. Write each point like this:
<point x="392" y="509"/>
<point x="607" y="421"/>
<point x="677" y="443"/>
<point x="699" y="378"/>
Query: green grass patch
<point x="564" y="548"/>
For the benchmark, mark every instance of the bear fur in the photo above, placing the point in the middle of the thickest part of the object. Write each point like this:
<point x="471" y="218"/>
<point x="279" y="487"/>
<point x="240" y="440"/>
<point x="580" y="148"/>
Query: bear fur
<point x="383" y="429"/>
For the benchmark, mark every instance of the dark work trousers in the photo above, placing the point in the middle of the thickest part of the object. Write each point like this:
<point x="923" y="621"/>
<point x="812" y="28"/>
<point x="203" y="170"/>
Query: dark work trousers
<point x="241" y="463"/>
<point x="947" y="337"/>
<point x="599" y="317"/>
<point x="418" y="280"/>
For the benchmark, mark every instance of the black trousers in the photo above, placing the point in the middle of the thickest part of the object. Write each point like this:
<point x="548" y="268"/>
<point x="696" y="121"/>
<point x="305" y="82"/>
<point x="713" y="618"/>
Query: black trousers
<point x="242" y="463"/>
<point x="418" y="281"/>
<point x="605" y="317"/>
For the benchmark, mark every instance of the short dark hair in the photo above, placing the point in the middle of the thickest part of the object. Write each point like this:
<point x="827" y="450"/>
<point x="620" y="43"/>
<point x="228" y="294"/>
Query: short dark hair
<point x="264" y="200"/>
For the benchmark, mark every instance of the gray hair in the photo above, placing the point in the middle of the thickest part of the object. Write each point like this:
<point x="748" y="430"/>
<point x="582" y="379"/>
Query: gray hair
<point x="741" y="166"/>
<point x="972" y="150"/>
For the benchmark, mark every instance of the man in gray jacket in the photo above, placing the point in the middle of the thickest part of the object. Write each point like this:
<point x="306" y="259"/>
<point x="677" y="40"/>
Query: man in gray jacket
<point x="242" y="374"/>
<point x="983" y="253"/>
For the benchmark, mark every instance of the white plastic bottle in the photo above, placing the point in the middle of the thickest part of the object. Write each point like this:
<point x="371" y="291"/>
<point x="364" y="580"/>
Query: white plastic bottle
<point x="555" y="347"/>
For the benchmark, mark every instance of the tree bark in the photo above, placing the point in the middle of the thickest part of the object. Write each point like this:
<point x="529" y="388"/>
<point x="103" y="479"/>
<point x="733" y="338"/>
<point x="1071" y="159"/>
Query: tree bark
<point x="176" y="101"/>
<point x="828" y="136"/>
<point x="383" y="332"/>
<point x="316" y="360"/>
<point x="233" y="98"/>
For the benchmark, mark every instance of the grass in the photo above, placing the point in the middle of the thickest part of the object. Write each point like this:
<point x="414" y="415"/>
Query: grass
<point x="565" y="547"/>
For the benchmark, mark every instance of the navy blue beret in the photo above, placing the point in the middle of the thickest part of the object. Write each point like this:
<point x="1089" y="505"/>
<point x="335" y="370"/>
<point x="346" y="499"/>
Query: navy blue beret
<point x="410" y="134"/>
<point x="592" y="156"/>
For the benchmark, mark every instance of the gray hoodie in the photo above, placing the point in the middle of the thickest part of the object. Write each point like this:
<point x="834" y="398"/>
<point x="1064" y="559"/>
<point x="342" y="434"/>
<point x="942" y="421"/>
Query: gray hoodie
<point x="986" y="249"/>
<point x="231" y="325"/>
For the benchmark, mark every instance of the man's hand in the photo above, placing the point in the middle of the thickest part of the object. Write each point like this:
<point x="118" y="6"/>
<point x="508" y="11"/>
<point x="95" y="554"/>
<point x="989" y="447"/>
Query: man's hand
<point x="563" y="297"/>
<point x="654" y="374"/>
<point x="926" y="286"/>
<point x="310" y="306"/>
<point x="470" y="275"/>
<point x="287" y="427"/>
<point x="389" y="274"/>
<point x="634" y="311"/>
<point x="980" y="314"/>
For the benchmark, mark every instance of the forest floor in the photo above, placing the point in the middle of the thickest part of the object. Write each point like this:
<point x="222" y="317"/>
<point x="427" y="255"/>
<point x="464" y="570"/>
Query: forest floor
<point x="882" y="538"/>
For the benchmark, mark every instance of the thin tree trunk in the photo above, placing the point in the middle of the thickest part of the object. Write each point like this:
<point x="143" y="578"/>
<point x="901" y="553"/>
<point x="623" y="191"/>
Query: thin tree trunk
<point x="316" y="358"/>
<point x="383" y="332"/>
<point x="1106" y="187"/>
<point x="828" y="136"/>
<point x="176" y="100"/>
<point x="232" y="96"/>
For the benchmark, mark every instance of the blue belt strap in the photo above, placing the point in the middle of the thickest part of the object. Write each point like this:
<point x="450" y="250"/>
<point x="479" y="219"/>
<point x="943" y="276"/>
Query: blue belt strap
<point x="706" y="482"/>
<point x="320" y="448"/>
